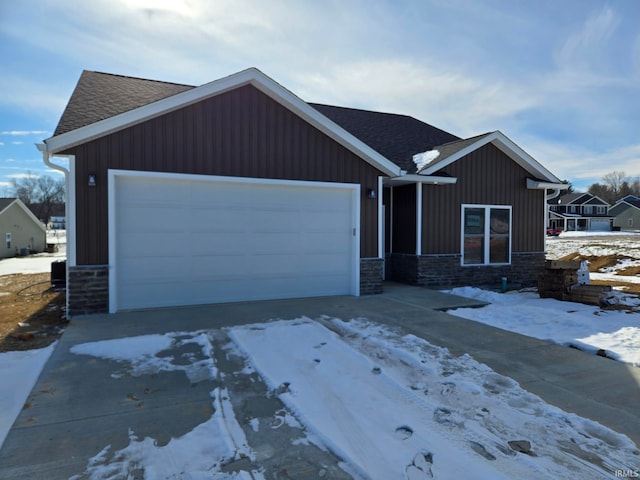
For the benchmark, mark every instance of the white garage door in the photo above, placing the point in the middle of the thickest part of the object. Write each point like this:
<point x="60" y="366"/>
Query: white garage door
<point x="196" y="240"/>
<point x="600" y="225"/>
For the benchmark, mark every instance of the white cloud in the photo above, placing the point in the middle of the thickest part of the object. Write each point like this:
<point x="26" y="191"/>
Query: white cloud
<point x="585" y="47"/>
<point x="18" y="176"/>
<point x="580" y="165"/>
<point x="21" y="93"/>
<point x="447" y="99"/>
<point x="24" y="132"/>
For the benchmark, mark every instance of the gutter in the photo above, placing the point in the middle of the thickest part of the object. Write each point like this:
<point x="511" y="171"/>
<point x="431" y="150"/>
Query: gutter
<point x="46" y="159"/>
<point x="69" y="206"/>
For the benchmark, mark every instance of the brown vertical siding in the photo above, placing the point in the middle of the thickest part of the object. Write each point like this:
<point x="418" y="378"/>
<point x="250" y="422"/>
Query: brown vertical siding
<point x="486" y="176"/>
<point x="242" y="132"/>
<point x="404" y="219"/>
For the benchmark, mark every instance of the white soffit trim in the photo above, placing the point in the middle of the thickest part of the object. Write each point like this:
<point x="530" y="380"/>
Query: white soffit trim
<point x="251" y="76"/>
<point x="501" y="141"/>
<point x="419" y="178"/>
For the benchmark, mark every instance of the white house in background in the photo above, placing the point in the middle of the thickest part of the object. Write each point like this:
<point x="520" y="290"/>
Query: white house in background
<point x="21" y="232"/>
<point x="579" y="212"/>
<point x="626" y="213"/>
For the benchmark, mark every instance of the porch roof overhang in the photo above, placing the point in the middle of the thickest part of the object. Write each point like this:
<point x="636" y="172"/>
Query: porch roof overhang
<point x="541" y="185"/>
<point x="418" y="178"/>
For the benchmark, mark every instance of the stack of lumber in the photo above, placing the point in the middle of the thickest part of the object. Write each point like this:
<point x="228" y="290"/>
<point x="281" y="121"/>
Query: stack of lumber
<point x="559" y="280"/>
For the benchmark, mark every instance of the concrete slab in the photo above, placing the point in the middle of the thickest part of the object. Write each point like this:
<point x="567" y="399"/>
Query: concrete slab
<point x="75" y="409"/>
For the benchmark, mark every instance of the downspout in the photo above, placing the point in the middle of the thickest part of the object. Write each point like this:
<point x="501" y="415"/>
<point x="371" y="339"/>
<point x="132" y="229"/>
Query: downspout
<point x="70" y="200"/>
<point x="548" y="196"/>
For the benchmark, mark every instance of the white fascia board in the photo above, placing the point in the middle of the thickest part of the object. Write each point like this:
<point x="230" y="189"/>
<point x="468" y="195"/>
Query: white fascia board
<point x="420" y="178"/>
<point x="501" y="141"/>
<point x="251" y="76"/>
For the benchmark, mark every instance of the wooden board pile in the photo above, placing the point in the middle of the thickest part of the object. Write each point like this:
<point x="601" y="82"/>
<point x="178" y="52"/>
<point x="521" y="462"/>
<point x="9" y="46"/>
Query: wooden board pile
<point x="565" y="280"/>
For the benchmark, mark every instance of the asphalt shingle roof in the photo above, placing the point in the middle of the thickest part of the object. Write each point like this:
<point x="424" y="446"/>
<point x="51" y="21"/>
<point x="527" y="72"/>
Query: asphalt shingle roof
<point x="448" y="149"/>
<point x="396" y="137"/>
<point x="5" y="202"/>
<point x="98" y="96"/>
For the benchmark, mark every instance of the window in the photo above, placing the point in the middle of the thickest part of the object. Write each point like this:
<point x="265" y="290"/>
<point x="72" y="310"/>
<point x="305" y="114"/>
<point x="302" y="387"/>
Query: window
<point x="8" y="240"/>
<point x="601" y="210"/>
<point x="486" y="235"/>
<point x="630" y="222"/>
<point x="587" y="209"/>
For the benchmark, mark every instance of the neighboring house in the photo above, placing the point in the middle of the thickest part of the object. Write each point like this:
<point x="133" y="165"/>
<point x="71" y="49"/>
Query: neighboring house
<point x="58" y="219"/>
<point x="21" y="232"/>
<point x="57" y="223"/>
<point x="239" y="190"/>
<point x="626" y="213"/>
<point x="579" y="212"/>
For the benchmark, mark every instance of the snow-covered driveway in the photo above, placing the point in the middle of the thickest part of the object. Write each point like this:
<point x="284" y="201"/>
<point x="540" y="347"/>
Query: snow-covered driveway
<point x="389" y="405"/>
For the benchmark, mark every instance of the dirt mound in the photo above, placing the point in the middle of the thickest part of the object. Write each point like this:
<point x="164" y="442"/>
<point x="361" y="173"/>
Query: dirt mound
<point x="32" y="314"/>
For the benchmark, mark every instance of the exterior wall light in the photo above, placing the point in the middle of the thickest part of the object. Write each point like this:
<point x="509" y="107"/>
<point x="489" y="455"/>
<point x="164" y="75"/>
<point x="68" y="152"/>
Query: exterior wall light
<point x="91" y="180"/>
<point x="371" y="193"/>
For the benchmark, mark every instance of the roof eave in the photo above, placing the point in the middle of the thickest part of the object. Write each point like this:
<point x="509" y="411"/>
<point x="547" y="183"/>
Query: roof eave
<point x="538" y="185"/>
<point x="251" y="76"/>
<point x="419" y="178"/>
<point x="501" y="141"/>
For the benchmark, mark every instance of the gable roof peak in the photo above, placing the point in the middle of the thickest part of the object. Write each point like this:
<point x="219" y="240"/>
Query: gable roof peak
<point x="453" y="151"/>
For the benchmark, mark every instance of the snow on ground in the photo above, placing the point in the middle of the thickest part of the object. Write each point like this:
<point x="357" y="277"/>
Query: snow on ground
<point x="40" y="262"/>
<point x="392" y="406"/>
<point x="594" y="243"/>
<point x="587" y="327"/>
<point x="19" y="372"/>
<point x="397" y="407"/>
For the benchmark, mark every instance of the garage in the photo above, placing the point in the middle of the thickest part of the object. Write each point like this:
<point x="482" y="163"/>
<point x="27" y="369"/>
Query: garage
<point x="600" y="225"/>
<point x="190" y="239"/>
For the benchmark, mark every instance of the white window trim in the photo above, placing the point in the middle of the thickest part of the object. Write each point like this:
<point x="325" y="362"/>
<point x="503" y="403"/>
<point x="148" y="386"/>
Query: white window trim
<point x="487" y="234"/>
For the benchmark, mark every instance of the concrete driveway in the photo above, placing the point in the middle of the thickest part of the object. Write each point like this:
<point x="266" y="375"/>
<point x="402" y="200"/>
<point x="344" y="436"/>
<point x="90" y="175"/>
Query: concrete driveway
<point x="75" y="410"/>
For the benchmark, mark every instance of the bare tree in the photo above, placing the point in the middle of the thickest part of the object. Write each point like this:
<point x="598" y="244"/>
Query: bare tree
<point x="615" y="181"/>
<point x="602" y="191"/>
<point x="614" y="186"/>
<point x="40" y="193"/>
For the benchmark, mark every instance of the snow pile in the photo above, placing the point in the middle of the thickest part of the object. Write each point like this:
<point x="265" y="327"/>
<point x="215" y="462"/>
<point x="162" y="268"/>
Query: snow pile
<point x="423" y="159"/>
<point x="19" y="372"/>
<point x="397" y="407"/>
<point x="589" y="328"/>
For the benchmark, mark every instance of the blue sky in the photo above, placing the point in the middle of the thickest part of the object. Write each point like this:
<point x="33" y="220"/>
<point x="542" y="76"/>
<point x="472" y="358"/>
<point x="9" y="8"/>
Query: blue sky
<point x="560" y="78"/>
